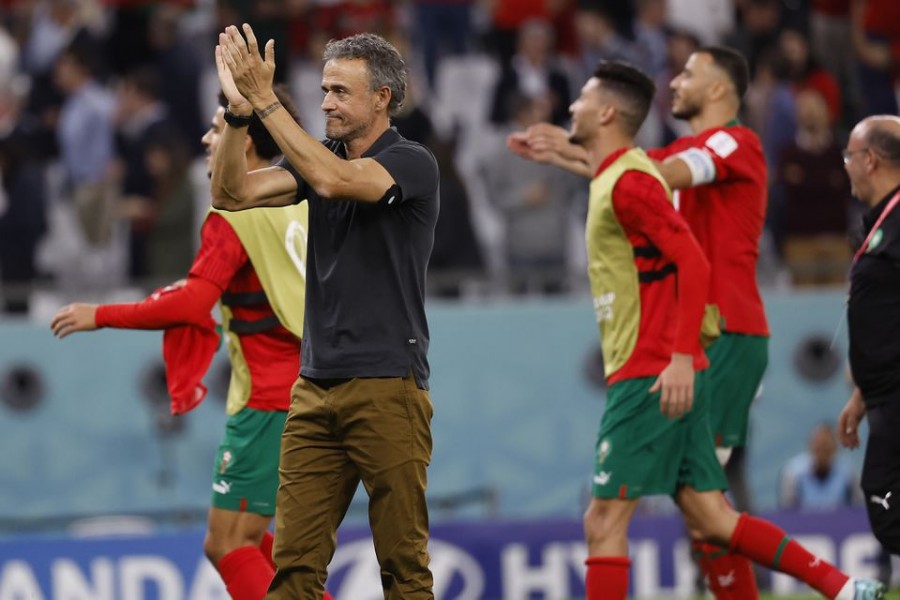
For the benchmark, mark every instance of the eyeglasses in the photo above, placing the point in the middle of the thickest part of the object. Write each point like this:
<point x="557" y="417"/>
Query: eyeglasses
<point x="846" y="154"/>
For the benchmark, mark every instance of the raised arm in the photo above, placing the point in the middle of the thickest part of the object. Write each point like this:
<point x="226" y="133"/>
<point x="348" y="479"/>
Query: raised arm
<point x="549" y="144"/>
<point x="330" y="176"/>
<point x="232" y="187"/>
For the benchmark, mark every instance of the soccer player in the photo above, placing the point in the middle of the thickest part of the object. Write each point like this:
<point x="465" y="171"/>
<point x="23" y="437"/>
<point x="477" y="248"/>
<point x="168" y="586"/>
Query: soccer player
<point x="649" y="278"/>
<point x="252" y="263"/>
<point x="720" y="175"/>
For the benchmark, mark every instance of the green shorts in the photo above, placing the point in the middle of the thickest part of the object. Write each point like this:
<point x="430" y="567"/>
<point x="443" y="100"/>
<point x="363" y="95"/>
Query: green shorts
<point x="642" y="452"/>
<point x="737" y="364"/>
<point x="245" y="477"/>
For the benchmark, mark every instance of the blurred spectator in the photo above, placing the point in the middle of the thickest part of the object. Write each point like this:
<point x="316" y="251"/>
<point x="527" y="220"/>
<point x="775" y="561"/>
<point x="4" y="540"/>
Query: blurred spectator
<point x="709" y="20"/>
<point x="456" y="255"/>
<point x="816" y="196"/>
<point x="650" y="35"/>
<point x="441" y="27"/>
<point x="829" y="23"/>
<point x="22" y="200"/>
<point x="533" y="201"/>
<point x="85" y="136"/>
<point x="47" y="28"/>
<point x="771" y="111"/>
<point x="270" y="19"/>
<point x="349" y="17"/>
<point x="141" y="118"/>
<point x="805" y="73"/>
<point x="876" y="38"/>
<point x="533" y="72"/>
<point x="599" y="40"/>
<point x="818" y="479"/>
<point x="758" y="30"/>
<point x="506" y="19"/>
<point x="170" y="237"/>
<point x="177" y="57"/>
<point x="770" y="105"/>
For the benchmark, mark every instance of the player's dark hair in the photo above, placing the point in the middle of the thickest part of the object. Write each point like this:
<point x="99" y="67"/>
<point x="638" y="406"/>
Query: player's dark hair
<point x="630" y="84"/>
<point x="733" y="64"/>
<point x="386" y="66"/>
<point x="262" y="140"/>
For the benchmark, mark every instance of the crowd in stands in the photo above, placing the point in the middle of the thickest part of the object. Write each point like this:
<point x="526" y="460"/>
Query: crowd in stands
<point x="103" y="103"/>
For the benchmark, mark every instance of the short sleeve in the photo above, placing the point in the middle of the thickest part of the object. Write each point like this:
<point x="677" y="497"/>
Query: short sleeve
<point x="728" y="152"/>
<point x="302" y="187"/>
<point x="221" y="253"/>
<point x="413" y="168"/>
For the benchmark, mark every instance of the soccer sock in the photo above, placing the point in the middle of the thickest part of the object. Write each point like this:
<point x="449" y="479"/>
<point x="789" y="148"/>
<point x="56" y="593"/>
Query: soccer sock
<point x="768" y="545"/>
<point x="265" y="546"/>
<point x="246" y="573"/>
<point x="607" y="577"/>
<point x="729" y="576"/>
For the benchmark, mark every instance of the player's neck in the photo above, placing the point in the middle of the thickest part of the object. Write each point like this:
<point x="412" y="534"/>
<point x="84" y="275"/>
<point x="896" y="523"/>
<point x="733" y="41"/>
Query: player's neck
<point x="712" y="117"/>
<point x="603" y="147"/>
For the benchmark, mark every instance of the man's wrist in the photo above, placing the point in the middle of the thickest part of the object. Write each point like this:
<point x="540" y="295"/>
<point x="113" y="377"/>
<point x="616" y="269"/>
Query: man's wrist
<point x="237" y="120"/>
<point x="263" y="102"/>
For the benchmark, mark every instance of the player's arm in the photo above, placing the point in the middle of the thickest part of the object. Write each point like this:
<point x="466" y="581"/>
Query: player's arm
<point x="645" y="209"/>
<point x="332" y="177"/>
<point x="187" y="302"/>
<point x="549" y="144"/>
<point x="231" y="186"/>
<point x="689" y="168"/>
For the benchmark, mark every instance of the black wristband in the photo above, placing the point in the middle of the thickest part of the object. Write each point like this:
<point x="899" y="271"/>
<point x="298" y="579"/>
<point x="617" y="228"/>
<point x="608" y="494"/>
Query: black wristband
<point x="237" y="120"/>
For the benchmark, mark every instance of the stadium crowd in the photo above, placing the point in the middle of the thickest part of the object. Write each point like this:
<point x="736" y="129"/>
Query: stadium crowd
<point x="102" y="104"/>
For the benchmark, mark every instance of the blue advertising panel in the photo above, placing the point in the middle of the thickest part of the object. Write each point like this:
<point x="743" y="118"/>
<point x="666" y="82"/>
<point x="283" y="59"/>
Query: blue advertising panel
<point x="470" y="561"/>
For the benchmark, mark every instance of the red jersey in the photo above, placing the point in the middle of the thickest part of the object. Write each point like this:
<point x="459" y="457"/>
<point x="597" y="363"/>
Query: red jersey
<point x="668" y="266"/>
<point x="273" y="356"/>
<point x="727" y="217"/>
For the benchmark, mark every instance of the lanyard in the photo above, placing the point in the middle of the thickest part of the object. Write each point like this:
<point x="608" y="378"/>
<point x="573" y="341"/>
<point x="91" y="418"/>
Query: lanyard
<point x="887" y="209"/>
<point x="862" y="250"/>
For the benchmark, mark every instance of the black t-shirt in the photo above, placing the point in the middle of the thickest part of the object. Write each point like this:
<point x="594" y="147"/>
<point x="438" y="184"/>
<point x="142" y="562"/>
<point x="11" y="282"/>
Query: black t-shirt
<point x="365" y="274"/>
<point x="873" y="310"/>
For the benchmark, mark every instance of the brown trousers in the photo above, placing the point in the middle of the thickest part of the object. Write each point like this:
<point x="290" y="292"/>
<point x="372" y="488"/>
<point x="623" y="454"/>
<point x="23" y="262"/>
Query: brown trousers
<point x="377" y="431"/>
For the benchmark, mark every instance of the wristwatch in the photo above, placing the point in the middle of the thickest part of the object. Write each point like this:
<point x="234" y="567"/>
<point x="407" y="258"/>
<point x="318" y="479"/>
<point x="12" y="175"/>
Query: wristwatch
<point x="237" y="120"/>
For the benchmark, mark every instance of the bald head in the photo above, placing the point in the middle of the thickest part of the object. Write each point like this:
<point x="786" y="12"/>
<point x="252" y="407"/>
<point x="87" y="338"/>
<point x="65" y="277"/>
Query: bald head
<point x="872" y="158"/>
<point x="881" y="133"/>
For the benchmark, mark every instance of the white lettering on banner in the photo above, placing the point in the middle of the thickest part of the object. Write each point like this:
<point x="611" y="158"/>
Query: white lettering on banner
<point x="356" y="567"/>
<point x="207" y="583"/>
<point x="70" y="583"/>
<point x="138" y="570"/>
<point x="858" y="555"/>
<point x="17" y="582"/>
<point x="647" y="573"/>
<point x="550" y="578"/>
<point x="819" y="545"/>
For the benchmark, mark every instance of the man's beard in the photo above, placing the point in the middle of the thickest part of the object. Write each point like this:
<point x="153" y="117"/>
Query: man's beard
<point x="687" y="112"/>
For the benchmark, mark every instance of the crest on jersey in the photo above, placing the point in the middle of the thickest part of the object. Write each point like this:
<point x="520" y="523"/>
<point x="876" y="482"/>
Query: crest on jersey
<point x="876" y="239"/>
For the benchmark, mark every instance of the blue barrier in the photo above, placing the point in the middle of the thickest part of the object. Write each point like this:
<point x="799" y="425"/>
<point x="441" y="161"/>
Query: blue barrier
<point x="515" y="414"/>
<point x="470" y="561"/>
